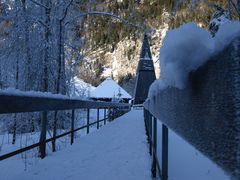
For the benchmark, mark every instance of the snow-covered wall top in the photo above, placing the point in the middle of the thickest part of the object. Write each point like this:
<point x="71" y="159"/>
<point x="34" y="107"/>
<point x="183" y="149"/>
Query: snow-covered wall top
<point x="186" y="48"/>
<point x="206" y="110"/>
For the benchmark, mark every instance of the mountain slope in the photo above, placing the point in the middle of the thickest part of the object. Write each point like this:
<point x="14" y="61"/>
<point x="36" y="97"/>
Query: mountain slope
<point x="112" y="48"/>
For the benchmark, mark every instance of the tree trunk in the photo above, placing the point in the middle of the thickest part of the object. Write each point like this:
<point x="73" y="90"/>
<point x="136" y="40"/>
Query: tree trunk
<point x="14" y="128"/>
<point x="42" y="148"/>
<point x="230" y="9"/>
<point x="238" y="6"/>
<point x="61" y="80"/>
<point x="1" y="81"/>
<point x="26" y="47"/>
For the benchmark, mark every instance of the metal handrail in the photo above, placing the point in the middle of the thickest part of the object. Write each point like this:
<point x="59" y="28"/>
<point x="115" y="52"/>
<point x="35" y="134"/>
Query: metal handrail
<point x="151" y="131"/>
<point x="17" y="104"/>
<point x="32" y="146"/>
<point x="12" y="103"/>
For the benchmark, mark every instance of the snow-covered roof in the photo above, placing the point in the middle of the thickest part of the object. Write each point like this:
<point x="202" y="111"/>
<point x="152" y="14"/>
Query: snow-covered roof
<point x="109" y="89"/>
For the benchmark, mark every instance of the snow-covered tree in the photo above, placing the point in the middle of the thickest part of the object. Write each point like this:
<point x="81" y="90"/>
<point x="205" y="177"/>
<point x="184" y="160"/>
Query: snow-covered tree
<point x="219" y="17"/>
<point x="40" y="49"/>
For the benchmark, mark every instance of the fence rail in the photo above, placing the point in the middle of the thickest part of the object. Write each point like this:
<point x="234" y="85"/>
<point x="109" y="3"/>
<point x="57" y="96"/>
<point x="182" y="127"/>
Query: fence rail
<point x="159" y="169"/>
<point x="20" y="104"/>
<point x="206" y="112"/>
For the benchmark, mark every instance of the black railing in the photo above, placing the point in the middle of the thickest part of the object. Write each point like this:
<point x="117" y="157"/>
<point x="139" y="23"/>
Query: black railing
<point x="206" y="112"/>
<point x="159" y="169"/>
<point x="19" y="104"/>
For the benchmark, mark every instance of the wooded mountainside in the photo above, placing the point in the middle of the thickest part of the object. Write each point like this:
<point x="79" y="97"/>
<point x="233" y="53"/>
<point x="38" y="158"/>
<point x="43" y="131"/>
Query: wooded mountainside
<point x="107" y="36"/>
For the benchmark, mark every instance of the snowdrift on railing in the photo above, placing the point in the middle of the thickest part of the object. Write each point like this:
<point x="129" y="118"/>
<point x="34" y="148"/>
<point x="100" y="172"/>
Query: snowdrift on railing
<point x="188" y="47"/>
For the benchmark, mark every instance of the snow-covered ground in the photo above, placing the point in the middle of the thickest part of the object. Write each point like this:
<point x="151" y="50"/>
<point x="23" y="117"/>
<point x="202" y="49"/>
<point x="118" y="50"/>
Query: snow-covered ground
<point x="117" y="151"/>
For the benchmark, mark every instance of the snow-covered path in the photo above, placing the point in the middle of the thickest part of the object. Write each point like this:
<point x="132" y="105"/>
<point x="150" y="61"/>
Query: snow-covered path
<point x="117" y="151"/>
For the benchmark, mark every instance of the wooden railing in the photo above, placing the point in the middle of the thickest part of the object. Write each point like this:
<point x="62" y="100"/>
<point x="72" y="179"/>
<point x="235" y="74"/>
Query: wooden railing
<point x="12" y="103"/>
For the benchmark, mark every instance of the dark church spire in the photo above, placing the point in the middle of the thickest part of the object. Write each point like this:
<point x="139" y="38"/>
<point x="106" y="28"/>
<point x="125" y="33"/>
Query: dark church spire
<point x="145" y="73"/>
<point x="145" y="51"/>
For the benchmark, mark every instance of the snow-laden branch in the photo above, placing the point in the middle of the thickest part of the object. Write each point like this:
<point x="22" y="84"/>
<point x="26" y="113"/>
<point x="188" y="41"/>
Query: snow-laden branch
<point x="110" y="14"/>
<point x="39" y="4"/>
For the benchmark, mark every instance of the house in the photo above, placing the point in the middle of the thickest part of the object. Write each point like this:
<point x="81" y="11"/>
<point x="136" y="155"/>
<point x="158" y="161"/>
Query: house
<point x="109" y="91"/>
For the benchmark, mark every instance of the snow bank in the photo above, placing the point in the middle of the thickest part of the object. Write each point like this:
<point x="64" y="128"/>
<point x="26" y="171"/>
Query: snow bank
<point x="188" y="47"/>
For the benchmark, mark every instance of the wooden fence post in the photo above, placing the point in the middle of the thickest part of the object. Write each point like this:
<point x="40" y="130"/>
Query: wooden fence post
<point x="72" y="126"/>
<point x="105" y="116"/>
<point x="146" y="123"/>
<point x="88" y="117"/>
<point x="154" y="162"/>
<point x="97" y="118"/>
<point x="164" y="152"/>
<point x="109" y="114"/>
<point x="150" y="132"/>
<point x="43" y="134"/>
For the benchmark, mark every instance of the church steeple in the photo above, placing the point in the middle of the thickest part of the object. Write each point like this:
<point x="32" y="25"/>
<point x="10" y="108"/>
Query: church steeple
<point x="145" y="73"/>
<point x="145" y="51"/>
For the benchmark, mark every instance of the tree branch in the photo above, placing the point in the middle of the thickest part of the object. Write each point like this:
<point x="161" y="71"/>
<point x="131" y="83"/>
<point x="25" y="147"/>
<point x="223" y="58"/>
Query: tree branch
<point x="39" y="4"/>
<point x="66" y="10"/>
<point x="110" y="14"/>
<point x="235" y="7"/>
<point x="39" y="21"/>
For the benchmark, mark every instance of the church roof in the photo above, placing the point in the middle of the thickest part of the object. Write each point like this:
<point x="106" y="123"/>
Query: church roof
<point x="109" y="89"/>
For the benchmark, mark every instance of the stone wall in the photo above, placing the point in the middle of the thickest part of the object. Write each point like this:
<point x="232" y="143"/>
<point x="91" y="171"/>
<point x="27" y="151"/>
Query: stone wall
<point x="207" y="112"/>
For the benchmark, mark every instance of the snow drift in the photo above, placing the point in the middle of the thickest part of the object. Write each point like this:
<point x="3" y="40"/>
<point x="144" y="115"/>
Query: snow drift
<point x="188" y="47"/>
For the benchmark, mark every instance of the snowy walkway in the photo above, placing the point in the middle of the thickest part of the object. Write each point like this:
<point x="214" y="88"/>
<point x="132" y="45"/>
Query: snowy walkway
<point x="117" y="151"/>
